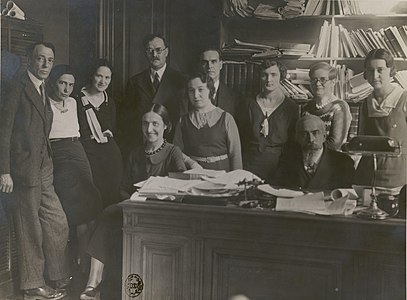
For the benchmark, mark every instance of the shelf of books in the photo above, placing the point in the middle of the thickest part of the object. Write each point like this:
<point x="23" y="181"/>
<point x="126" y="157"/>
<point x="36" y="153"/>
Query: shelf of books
<point x="300" y="35"/>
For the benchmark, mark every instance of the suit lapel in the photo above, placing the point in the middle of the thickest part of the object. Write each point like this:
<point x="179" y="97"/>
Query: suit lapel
<point x="34" y="96"/>
<point x="146" y="85"/>
<point x="320" y="173"/>
<point x="164" y="88"/>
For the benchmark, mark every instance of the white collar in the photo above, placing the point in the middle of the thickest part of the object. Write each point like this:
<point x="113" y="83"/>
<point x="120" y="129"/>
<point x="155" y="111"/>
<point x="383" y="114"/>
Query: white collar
<point x="160" y="73"/>
<point x="37" y="82"/>
<point x="216" y="85"/>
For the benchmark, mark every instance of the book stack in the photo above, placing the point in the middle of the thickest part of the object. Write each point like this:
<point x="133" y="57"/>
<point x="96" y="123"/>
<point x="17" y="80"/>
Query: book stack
<point x="335" y="41"/>
<point x="267" y="12"/>
<point x="243" y="51"/>
<point x="354" y="123"/>
<point x="296" y="92"/>
<point x="359" y="88"/>
<point x="332" y="7"/>
<point x="292" y="9"/>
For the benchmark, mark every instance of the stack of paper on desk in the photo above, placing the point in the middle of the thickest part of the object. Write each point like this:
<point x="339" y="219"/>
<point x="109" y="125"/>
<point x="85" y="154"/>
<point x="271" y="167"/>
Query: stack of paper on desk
<point x="167" y="186"/>
<point x="198" y="173"/>
<point x="284" y="193"/>
<point x="222" y="185"/>
<point x="315" y="204"/>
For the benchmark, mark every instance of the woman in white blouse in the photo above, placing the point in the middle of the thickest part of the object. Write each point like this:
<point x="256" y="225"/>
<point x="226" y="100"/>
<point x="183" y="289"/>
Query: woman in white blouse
<point x="208" y="134"/>
<point x="72" y="174"/>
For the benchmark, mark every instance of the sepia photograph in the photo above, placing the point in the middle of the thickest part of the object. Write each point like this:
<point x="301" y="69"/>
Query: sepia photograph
<point x="203" y="149"/>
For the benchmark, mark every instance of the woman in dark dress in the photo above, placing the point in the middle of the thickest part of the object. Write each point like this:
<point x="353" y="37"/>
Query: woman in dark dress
<point x="156" y="157"/>
<point x="72" y="174"/>
<point x="208" y="134"/>
<point x="383" y="113"/>
<point x="97" y="120"/>
<point x="267" y="122"/>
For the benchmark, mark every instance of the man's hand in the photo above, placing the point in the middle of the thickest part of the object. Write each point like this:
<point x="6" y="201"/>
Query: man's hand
<point x="6" y="183"/>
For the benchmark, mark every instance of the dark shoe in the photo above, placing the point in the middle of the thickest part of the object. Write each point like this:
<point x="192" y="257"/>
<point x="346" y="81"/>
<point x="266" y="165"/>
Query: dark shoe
<point x="90" y="293"/>
<point x="63" y="283"/>
<point x="44" y="293"/>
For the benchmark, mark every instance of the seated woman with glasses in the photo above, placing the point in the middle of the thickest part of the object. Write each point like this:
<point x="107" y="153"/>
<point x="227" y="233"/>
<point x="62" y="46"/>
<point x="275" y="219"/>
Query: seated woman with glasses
<point x="267" y="122"/>
<point x="208" y="134"/>
<point x="333" y="111"/>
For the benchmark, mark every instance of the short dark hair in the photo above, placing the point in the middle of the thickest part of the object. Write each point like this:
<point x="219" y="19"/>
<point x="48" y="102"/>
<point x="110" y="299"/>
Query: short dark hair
<point x="30" y="49"/>
<point x="210" y="48"/>
<point x="323" y="66"/>
<point x="162" y="111"/>
<point x="56" y="73"/>
<point x="205" y="79"/>
<point x="149" y="37"/>
<point x="381" y="54"/>
<point x="101" y="62"/>
<point x="267" y="63"/>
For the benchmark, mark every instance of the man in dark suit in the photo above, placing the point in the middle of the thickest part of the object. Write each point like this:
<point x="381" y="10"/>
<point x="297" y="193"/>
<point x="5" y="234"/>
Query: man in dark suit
<point x="312" y="166"/>
<point x="225" y="98"/>
<point x="26" y="176"/>
<point x="157" y="84"/>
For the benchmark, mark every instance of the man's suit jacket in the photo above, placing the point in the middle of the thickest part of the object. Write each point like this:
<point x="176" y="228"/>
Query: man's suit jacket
<point x="140" y="96"/>
<point x="25" y="124"/>
<point x="227" y="99"/>
<point x="335" y="170"/>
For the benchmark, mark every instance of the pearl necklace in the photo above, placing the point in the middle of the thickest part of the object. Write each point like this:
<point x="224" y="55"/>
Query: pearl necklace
<point x="156" y="150"/>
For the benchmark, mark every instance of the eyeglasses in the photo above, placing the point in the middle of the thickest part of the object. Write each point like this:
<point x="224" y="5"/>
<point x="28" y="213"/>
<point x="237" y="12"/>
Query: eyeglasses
<point x="322" y="80"/>
<point x="156" y="50"/>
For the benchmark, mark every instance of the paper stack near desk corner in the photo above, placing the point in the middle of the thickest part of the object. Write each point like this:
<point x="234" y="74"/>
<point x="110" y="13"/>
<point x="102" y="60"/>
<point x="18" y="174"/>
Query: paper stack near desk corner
<point x="315" y="204"/>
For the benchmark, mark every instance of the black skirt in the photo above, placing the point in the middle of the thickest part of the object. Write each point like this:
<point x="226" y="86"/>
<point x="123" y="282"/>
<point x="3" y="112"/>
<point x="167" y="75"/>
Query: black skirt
<point x="107" y="168"/>
<point x="73" y="182"/>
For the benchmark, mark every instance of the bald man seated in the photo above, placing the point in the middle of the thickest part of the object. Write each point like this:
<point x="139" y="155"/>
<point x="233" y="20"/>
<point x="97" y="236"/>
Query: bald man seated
<point x="311" y="165"/>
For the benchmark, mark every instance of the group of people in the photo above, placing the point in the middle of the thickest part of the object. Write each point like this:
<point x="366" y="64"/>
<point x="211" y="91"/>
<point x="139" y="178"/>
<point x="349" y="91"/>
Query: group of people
<point x="61" y="158"/>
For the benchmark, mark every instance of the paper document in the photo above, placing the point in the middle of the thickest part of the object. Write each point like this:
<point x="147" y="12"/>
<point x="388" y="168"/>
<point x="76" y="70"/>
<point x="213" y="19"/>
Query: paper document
<point x="284" y="193"/>
<point x="165" y="185"/>
<point x="306" y="203"/>
<point x="231" y="179"/>
<point x="314" y="203"/>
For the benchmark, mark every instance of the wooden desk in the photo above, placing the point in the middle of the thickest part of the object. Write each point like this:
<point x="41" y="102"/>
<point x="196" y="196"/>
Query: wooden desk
<point x="195" y="252"/>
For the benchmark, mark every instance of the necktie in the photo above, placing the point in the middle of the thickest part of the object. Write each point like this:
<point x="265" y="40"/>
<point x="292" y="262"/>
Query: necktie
<point x="311" y="168"/>
<point x="42" y="90"/>
<point x="213" y="100"/>
<point x="156" y="82"/>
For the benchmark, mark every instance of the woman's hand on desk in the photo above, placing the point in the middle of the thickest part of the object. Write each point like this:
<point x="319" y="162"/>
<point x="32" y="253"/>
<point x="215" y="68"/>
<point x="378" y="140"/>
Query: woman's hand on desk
<point x="6" y="183"/>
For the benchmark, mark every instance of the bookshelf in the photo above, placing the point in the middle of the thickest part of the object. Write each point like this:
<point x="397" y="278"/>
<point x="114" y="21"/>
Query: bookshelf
<point x="304" y="30"/>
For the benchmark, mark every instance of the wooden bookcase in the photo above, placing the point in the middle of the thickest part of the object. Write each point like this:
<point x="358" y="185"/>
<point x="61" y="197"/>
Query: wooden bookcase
<point x="305" y="29"/>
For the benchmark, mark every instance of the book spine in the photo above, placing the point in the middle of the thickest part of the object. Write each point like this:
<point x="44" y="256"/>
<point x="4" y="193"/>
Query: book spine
<point x="393" y="41"/>
<point x="354" y="124"/>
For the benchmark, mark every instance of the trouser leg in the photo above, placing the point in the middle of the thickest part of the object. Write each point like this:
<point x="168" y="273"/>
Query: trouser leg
<point x="54" y="226"/>
<point x="24" y="203"/>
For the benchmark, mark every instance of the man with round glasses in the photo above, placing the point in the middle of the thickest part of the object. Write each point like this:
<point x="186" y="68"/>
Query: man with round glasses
<point x="333" y="111"/>
<point x="159" y="83"/>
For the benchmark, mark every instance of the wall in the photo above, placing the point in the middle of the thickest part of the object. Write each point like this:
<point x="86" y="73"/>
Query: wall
<point x="54" y="15"/>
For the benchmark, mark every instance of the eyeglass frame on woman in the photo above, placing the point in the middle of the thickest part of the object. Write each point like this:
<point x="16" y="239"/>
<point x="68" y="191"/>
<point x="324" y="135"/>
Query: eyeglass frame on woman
<point x="156" y="50"/>
<point x="322" y="80"/>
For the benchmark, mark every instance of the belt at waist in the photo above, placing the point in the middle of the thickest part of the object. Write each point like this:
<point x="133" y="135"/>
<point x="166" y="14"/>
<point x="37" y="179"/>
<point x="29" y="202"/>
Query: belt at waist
<point x="210" y="159"/>
<point x="72" y="139"/>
